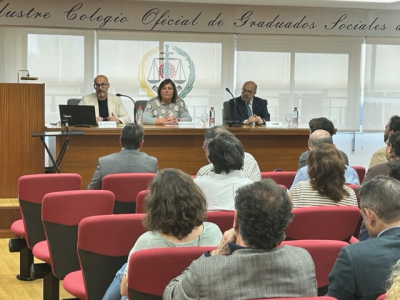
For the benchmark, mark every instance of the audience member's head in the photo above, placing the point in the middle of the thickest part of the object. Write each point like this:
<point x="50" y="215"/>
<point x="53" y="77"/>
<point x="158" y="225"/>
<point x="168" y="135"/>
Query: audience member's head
<point x="226" y="153"/>
<point x="321" y="123"/>
<point x="394" y="281"/>
<point x="318" y="137"/>
<point x="326" y="171"/>
<point x="394" y="169"/>
<point x="132" y="136"/>
<point x="175" y="204"/>
<point x="263" y="211"/>
<point x="379" y="203"/>
<point x="210" y="134"/>
<point x="391" y="127"/>
<point x="393" y="146"/>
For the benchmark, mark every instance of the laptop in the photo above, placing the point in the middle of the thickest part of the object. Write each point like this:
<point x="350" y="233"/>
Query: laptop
<point x="82" y="115"/>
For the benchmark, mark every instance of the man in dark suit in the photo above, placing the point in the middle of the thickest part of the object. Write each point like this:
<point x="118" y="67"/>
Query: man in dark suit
<point x="248" y="264"/>
<point x="128" y="160"/>
<point x="361" y="269"/>
<point x="249" y="109"/>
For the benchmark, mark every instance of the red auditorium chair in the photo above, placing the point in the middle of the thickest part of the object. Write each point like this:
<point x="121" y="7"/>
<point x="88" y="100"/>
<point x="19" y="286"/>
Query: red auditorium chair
<point x="151" y="270"/>
<point x="324" y="254"/>
<point x="125" y="187"/>
<point x="223" y="218"/>
<point x="61" y="214"/>
<point x="382" y="297"/>
<point x="140" y="201"/>
<point x="104" y="243"/>
<point x="323" y="223"/>
<point x="281" y="177"/>
<point x="29" y="230"/>
<point x="360" y="171"/>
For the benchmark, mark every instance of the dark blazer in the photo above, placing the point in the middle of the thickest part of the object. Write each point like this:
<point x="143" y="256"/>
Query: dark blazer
<point x="259" y="107"/>
<point x="361" y="270"/>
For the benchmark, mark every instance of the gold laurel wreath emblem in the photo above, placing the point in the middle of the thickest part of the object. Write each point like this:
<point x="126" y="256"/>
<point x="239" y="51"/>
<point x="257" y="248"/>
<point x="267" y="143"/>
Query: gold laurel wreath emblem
<point x="142" y="78"/>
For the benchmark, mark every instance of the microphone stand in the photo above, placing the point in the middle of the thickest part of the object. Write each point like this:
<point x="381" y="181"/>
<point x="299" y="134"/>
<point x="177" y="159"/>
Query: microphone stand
<point x="234" y="123"/>
<point x="134" y="105"/>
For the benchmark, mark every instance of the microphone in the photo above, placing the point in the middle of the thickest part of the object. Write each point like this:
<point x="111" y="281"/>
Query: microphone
<point x="233" y="123"/>
<point x="134" y="105"/>
<point x="120" y="95"/>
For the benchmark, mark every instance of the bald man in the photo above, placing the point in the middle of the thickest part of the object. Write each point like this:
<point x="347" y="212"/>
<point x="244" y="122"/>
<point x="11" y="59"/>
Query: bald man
<point x="108" y="107"/>
<point x="318" y="137"/>
<point x="249" y="109"/>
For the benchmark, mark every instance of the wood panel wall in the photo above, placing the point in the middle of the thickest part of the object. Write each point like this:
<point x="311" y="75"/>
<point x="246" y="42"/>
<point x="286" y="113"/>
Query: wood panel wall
<point x="22" y="112"/>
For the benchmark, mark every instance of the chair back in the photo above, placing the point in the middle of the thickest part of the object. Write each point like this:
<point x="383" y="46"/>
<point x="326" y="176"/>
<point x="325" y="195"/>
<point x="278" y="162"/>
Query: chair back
<point x="323" y="223"/>
<point x="140" y="201"/>
<point x="61" y="214"/>
<point x="225" y="112"/>
<point x="73" y="101"/>
<point x="151" y="270"/>
<point x="324" y="254"/>
<point x="381" y="297"/>
<point x="280" y="177"/>
<point x="31" y="190"/>
<point x="125" y="187"/>
<point x="360" y="172"/>
<point x="104" y="243"/>
<point x="223" y="218"/>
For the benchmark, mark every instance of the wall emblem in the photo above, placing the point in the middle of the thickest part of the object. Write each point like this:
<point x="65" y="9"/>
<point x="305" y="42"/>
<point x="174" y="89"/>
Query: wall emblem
<point x="157" y="65"/>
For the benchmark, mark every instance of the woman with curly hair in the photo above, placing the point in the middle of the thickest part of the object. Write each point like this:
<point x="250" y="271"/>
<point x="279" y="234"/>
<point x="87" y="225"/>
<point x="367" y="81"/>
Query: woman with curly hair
<point x="394" y="291"/>
<point x="176" y="210"/>
<point x="326" y="185"/>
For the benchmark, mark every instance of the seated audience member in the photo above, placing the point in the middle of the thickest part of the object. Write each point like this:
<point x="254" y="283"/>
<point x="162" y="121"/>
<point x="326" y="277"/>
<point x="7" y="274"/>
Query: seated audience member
<point x="176" y="210"/>
<point x="324" y="124"/>
<point x="248" y="264"/>
<point x="394" y="169"/>
<point x="108" y="107"/>
<point x="394" y="291"/>
<point x="128" y="160"/>
<point x="392" y="153"/>
<point x="392" y="126"/>
<point x="167" y="108"/>
<point x="362" y="268"/>
<point x="250" y="166"/>
<point x="247" y="108"/>
<point x="316" y="138"/>
<point x="326" y="183"/>
<point x="226" y="154"/>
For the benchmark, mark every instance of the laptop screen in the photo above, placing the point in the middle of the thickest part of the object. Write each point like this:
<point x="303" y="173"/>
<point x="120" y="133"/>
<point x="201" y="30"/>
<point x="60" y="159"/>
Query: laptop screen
<point x="80" y="114"/>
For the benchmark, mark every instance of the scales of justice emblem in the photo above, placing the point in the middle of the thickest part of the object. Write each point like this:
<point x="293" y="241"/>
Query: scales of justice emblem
<point x="167" y="65"/>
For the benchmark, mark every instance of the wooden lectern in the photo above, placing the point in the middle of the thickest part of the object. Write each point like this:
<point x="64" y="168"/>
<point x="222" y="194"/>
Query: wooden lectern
<point x="22" y="112"/>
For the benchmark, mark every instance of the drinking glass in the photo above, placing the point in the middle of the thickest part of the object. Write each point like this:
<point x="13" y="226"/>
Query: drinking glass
<point x="204" y="119"/>
<point x="289" y="118"/>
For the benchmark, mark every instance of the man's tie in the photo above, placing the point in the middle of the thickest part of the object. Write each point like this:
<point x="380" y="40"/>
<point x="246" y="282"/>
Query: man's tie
<point x="248" y="110"/>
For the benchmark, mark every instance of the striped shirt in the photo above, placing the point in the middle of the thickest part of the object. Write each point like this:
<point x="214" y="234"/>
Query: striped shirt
<point x="250" y="168"/>
<point x="305" y="195"/>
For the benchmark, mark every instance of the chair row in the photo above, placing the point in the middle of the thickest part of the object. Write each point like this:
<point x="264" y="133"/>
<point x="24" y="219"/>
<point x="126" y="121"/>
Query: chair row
<point x="103" y="247"/>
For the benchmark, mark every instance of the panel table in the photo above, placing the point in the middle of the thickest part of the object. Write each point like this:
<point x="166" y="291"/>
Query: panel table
<point x="273" y="148"/>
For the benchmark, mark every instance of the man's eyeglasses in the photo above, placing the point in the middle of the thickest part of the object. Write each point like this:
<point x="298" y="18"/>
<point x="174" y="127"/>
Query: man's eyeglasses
<point x="247" y="91"/>
<point x="102" y="85"/>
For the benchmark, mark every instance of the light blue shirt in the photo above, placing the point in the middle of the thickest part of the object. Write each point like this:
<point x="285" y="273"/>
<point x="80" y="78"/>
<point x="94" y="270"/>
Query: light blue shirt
<point x="350" y="176"/>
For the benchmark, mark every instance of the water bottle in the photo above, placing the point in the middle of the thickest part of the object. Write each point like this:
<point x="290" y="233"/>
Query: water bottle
<point x="295" y="118"/>
<point x="139" y="115"/>
<point x="212" y="117"/>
